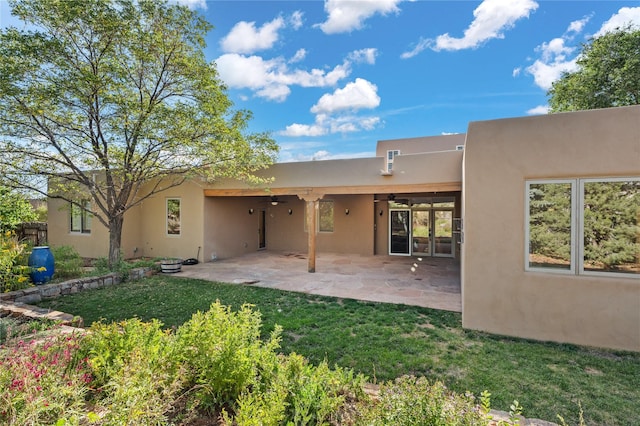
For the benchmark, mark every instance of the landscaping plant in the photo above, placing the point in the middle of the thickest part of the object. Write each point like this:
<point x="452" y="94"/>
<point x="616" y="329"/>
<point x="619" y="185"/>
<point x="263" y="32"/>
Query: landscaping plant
<point x="68" y="262"/>
<point x="14" y="272"/>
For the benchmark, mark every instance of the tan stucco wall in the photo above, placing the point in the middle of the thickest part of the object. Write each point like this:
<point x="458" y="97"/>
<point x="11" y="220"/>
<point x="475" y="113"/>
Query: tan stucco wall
<point x="154" y="240"/>
<point x="94" y="245"/>
<point x="498" y="295"/>
<point x="359" y="175"/>
<point x="420" y="144"/>
<point x="230" y="230"/>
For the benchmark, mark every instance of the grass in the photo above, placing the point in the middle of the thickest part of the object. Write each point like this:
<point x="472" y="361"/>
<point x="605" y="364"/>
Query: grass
<point x="384" y="341"/>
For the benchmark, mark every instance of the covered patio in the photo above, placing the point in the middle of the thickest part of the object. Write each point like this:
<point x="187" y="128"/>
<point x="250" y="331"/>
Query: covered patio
<point x="429" y="282"/>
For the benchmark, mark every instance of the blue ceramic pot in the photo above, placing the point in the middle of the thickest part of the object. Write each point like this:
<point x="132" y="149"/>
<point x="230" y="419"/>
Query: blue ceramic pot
<point x="41" y="257"/>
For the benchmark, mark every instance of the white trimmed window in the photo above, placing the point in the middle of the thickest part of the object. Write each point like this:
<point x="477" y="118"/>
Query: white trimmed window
<point x="173" y="216"/>
<point x="80" y="217"/>
<point x="391" y="155"/>
<point x="583" y="226"/>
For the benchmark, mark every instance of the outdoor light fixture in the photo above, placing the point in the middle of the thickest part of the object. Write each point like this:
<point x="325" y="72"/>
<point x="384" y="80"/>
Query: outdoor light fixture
<point x="346" y="211"/>
<point x="274" y="201"/>
<point x="250" y="211"/>
<point x="381" y="211"/>
<point x="290" y="211"/>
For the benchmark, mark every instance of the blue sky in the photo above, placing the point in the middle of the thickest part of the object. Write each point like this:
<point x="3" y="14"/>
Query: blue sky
<point x="328" y="79"/>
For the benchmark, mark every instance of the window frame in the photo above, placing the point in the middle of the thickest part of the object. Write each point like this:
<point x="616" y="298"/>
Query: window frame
<point x="83" y="210"/>
<point x="527" y="230"/>
<point x="319" y="217"/>
<point x="391" y="155"/>
<point x="317" y="224"/>
<point x="166" y="216"/>
<point x="577" y="227"/>
<point x="581" y="250"/>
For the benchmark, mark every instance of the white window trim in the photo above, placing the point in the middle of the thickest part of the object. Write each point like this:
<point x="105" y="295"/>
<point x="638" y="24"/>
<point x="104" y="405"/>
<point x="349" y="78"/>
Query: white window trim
<point x="393" y="153"/>
<point x="577" y="228"/>
<point x="572" y="265"/>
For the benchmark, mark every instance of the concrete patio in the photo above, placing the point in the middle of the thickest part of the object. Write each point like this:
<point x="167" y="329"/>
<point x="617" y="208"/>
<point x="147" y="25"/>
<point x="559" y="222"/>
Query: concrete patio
<point x="427" y="282"/>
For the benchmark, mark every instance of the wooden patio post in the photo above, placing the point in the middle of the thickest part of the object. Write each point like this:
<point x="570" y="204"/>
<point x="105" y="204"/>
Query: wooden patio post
<point x="311" y="232"/>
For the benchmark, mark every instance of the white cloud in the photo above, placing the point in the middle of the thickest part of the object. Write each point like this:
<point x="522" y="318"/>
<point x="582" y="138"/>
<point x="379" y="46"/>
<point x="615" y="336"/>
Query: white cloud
<point x="364" y="55"/>
<point x="491" y="19"/>
<point x="349" y="15"/>
<point x="271" y="78"/>
<point x="539" y="110"/>
<point x="545" y="73"/>
<point x="297" y="130"/>
<point x="354" y="96"/>
<point x="516" y="72"/>
<point x="578" y="26"/>
<point x="422" y="44"/>
<point x="244" y="37"/>
<point x="625" y="16"/>
<point x="295" y="20"/>
<point x="299" y="56"/>
<point x="556" y="57"/>
<point x="330" y="111"/>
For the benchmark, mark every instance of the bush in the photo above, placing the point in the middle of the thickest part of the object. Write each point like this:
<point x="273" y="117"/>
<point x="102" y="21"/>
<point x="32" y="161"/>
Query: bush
<point x="412" y="401"/>
<point x="223" y="353"/>
<point x="300" y="394"/>
<point x="134" y="371"/>
<point x="68" y="263"/>
<point x="14" y="272"/>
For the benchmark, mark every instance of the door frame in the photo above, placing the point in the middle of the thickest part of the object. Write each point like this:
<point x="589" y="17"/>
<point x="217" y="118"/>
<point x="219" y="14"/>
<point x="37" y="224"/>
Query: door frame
<point x="432" y="238"/>
<point x="395" y="210"/>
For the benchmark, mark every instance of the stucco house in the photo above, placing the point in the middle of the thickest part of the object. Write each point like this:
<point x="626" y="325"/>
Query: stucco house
<point x="512" y="199"/>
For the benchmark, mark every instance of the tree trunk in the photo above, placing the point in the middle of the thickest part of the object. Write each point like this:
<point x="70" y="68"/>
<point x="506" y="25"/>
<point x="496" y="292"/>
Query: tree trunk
<point x="115" y="239"/>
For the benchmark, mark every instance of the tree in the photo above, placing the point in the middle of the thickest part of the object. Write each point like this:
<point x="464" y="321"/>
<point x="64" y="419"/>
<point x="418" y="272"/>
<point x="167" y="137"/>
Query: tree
<point x="14" y="209"/>
<point x="105" y="98"/>
<point x="608" y="74"/>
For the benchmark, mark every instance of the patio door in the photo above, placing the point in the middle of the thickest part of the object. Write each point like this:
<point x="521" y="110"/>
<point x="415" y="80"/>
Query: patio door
<point x="421" y="232"/>
<point x="443" y="242"/>
<point x="400" y="232"/>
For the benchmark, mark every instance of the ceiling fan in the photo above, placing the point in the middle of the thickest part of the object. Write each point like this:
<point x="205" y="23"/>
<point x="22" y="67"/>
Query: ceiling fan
<point x="274" y="201"/>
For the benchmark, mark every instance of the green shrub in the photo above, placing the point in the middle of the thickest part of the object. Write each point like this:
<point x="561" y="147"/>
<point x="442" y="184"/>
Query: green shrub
<point x="134" y="370"/>
<point x="410" y="401"/>
<point x="14" y="272"/>
<point x="68" y="263"/>
<point x="223" y="353"/>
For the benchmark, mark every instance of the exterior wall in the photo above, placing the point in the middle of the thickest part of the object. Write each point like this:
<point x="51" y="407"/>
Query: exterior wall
<point x="94" y="245"/>
<point x="358" y="175"/>
<point x="153" y="240"/>
<point x="230" y="230"/>
<point x="420" y="145"/>
<point x="498" y="295"/>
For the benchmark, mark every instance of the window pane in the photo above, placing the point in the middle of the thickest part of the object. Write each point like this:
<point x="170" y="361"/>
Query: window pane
<point x="325" y="212"/>
<point x="550" y="225"/>
<point x="86" y="218"/>
<point x="173" y="216"/>
<point x="76" y="218"/>
<point x="612" y="226"/>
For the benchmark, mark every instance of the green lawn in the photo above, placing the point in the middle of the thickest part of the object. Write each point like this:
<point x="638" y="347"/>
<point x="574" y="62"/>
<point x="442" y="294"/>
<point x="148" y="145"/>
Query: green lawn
<point x="385" y="341"/>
